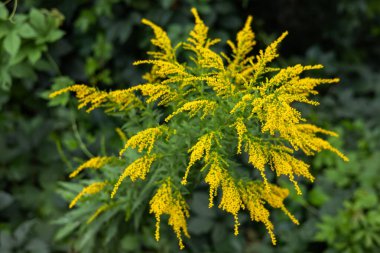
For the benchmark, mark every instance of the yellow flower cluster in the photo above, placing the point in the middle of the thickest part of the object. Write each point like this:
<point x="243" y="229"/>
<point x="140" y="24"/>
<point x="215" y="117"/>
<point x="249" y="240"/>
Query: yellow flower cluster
<point x="245" y="42"/>
<point x="255" y="195"/>
<point x="257" y="156"/>
<point x="157" y="92"/>
<point x="138" y="169"/>
<point x="86" y="95"/>
<point x="208" y="107"/>
<point x="215" y="176"/>
<point x="144" y="139"/>
<point x="239" y="195"/>
<point x="169" y="201"/>
<point x="241" y="129"/>
<point x="265" y="57"/>
<point x="161" y="41"/>
<point x="199" y="43"/>
<point x="200" y="149"/>
<point x="94" y="163"/>
<point x="89" y="96"/>
<point x="91" y="189"/>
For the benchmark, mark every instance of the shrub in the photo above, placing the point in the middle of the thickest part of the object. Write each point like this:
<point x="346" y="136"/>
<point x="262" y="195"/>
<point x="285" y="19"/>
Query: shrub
<point x="234" y="115"/>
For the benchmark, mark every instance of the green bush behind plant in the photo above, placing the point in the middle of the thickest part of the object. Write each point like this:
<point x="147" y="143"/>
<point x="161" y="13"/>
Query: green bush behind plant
<point x="102" y="38"/>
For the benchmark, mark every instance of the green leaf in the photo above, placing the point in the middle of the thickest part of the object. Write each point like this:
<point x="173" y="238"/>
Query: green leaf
<point x="22" y="231"/>
<point x="37" y="245"/>
<point x="3" y="12"/>
<point x="22" y="70"/>
<point x="199" y="205"/>
<point x="38" y="20"/>
<point x="54" y="35"/>
<point x="198" y="225"/>
<point x="5" y="79"/>
<point x="4" y="29"/>
<point x="130" y="243"/>
<point x="34" y="56"/>
<point x="27" y="31"/>
<point x="66" y="230"/>
<point x="12" y="43"/>
<point x="317" y="197"/>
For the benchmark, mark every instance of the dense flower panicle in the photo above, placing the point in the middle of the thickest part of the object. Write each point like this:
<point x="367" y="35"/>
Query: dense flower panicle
<point x="91" y="189"/>
<point x="144" y="140"/>
<point x="86" y="95"/>
<point x="231" y="201"/>
<point x="198" y="38"/>
<point x="122" y="99"/>
<point x="157" y="92"/>
<point x="200" y="149"/>
<point x="94" y="163"/>
<point x="241" y="129"/>
<point x="161" y="41"/>
<point x="215" y="176"/>
<point x="169" y="201"/>
<point x="242" y="104"/>
<point x="221" y="84"/>
<point x="257" y="156"/>
<point x="93" y="98"/>
<point x="245" y="41"/>
<point x="208" y="107"/>
<point x="164" y="69"/>
<point x="285" y="75"/>
<point x="251" y="194"/>
<point x="276" y="197"/>
<point x="303" y="136"/>
<point x="266" y="57"/>
<point x="138" y="169"/>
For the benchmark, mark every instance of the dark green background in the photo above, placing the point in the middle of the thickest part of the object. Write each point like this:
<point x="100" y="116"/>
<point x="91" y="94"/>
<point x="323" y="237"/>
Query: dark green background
<point x="41" y="142"/>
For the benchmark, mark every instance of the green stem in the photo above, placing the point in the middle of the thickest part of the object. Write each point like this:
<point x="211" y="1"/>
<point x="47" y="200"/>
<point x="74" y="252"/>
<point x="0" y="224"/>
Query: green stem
<point x="79" y="139"/>
<point x="13" y="11"/>
<point x="53" y="63"/>
<point x="62" y="154"/>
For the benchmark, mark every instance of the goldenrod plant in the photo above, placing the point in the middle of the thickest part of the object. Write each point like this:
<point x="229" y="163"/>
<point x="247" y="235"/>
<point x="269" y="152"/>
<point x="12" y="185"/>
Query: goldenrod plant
<point x="225" y="120"/>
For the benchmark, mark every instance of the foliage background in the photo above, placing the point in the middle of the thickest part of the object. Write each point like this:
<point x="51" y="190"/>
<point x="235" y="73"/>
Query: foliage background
<point x="95" y="42"/>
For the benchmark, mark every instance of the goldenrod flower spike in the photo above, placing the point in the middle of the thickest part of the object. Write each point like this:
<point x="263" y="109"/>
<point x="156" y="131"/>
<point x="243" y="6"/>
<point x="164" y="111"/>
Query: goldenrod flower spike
<point x="144" y="140"/>
<point x="258" y="157"/>
<point x="169" y="201"/>
<point x="157" y="92"/>
<point x="231" y="201"/>
<point x="214" y="177"/>
<point x="208" y="107"/>
<point x="266" y="57"/>
<point x="94" y="163"/>
<point x="91" y="189"/>
<point x="138" y="169"/>
<point x="161" y="41"/>
<point x="200" y="149"/>
<point x="245" y="41"/>
<point x="241" y="129"/>
<point x="89" y="96"/>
